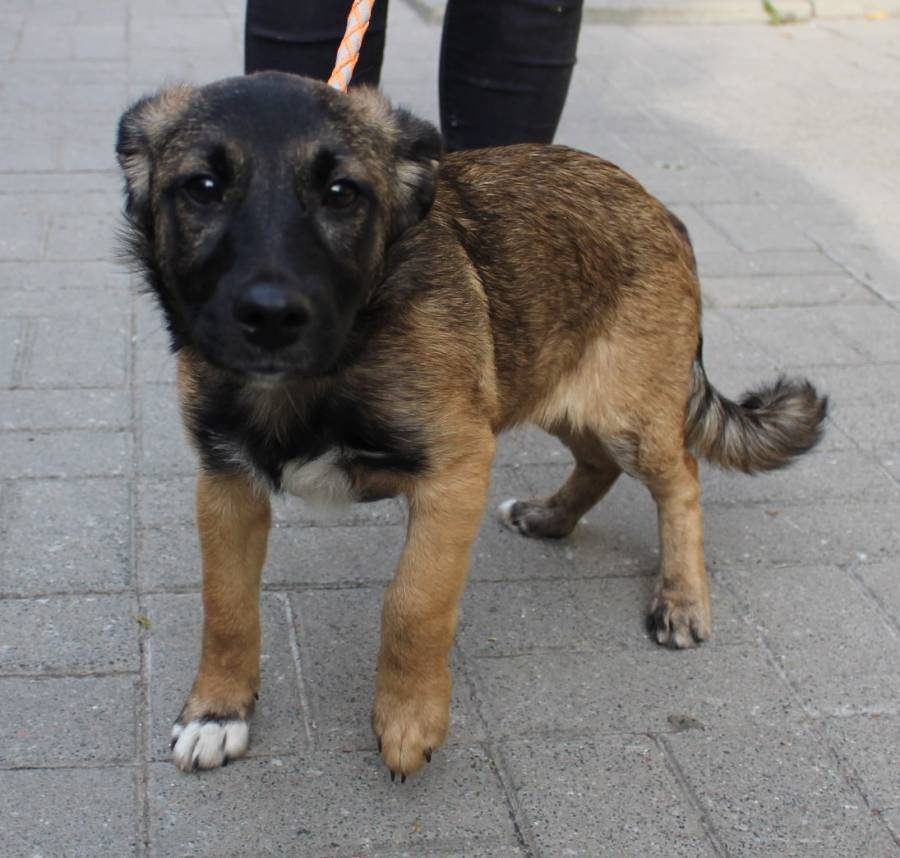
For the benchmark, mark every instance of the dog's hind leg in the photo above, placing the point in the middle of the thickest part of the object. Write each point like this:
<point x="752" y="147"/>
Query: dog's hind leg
<point x="233" y="520"/>
<point x="556" y="516"/>
<point x="679" y="614"/>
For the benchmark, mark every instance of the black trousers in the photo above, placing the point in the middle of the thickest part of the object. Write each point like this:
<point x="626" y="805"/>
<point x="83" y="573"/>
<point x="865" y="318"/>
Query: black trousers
<point x="505" y="65"/>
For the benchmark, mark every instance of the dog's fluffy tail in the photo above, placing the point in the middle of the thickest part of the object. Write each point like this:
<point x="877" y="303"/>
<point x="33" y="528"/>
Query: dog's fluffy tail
<point x="764" y="431"/>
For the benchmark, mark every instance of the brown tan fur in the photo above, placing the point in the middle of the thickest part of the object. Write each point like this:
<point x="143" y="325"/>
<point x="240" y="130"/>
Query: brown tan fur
<point x="544" y="285"/>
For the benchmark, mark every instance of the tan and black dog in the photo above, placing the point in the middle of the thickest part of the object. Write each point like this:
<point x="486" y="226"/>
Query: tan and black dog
<point x="355" y="317"/>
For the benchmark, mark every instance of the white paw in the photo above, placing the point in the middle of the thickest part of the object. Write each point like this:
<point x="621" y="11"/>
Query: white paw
<point x="206" y="743"/>
<point x="504" y="513"/>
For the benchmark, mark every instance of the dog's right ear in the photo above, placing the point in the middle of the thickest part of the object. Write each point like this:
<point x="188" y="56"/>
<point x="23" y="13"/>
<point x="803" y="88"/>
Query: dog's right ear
<point x="142" y="130"/>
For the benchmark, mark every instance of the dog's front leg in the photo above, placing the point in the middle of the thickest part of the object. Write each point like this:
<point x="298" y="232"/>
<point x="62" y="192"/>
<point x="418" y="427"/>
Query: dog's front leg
<point x="233" y="520"/>
<point x="412" y="699"/>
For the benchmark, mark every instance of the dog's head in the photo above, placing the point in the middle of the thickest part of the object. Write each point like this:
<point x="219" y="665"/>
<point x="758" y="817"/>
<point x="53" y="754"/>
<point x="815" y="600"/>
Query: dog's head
<point x="261" y="207"/>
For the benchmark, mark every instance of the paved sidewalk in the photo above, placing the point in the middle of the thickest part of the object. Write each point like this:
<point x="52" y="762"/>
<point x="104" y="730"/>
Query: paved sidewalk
<point x="572" y="734"/>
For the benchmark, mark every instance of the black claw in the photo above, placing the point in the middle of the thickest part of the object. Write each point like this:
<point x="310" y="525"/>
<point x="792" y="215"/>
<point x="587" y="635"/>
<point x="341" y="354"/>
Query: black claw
<point x="428" y="756"/>
<point x="256" y="695"/>
<point x="173" y="743"/>
<point x="225" y="761"/>
<point x="393" y="775"/>
<point x="403" y="779"/>
<point x="195" y="763"/>
<point x="379" y="744"/>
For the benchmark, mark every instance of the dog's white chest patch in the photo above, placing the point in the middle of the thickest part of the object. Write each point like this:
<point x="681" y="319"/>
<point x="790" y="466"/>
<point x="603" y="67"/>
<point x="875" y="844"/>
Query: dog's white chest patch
<point x="321" y="482"/>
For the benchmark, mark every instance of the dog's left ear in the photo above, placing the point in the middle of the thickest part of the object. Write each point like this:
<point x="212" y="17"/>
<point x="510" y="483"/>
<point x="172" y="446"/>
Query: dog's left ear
<point x="418" y="151"/>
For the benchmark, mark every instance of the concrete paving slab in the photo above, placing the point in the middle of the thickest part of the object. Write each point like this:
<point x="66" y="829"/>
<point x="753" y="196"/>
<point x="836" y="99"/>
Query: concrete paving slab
<point x="11" y="331"/>
<point x="338" y="633"/>
<point x="71" y="635"/>
<point x="64" y="536"/>
<point x="65" y="409"/>
<point x="173" y="651"/>
<point x="329" y="804"/>
<point x="44" y="812"/>
<point x="785" y="291"/>
<point x="838" y="651"/>
<point x="68" y="722"/>
<point x="870" y="746"/>
<point x="66" y="453"/>
<point x="777" y="794"/>
<point x="633" y="691"/>
<point x="555" y="781"/>
<point x="573" y="614"/>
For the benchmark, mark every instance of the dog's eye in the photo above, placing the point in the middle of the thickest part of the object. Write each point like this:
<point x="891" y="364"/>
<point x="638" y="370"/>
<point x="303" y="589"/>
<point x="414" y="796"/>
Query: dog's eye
<point x="341" y="194"/>
<point x="204" y="190"/>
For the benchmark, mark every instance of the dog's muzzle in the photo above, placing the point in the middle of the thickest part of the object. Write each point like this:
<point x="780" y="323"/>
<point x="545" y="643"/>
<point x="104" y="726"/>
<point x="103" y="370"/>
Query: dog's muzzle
<point x="271" y="316"/>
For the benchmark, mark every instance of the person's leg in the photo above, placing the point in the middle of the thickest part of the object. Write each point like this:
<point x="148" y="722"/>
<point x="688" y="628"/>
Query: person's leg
<point x="505" y="70"/>
<point x="302" y="37"/>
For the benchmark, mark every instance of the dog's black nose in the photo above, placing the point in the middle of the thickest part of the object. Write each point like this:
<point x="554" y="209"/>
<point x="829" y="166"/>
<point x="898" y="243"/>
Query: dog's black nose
<point x="271" y="315"/>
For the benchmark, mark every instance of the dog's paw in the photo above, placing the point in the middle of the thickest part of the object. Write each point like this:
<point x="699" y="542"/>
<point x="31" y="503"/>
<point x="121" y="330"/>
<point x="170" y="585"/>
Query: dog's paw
<point x="408" y="730"/>
<point x="209" y="742"/>
<point x="677" y="620"/>
<point x="535" y="518"/>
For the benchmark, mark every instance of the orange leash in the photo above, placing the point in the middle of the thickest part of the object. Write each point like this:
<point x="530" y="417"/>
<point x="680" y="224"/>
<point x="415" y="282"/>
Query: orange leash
<point x="348" y="52"/>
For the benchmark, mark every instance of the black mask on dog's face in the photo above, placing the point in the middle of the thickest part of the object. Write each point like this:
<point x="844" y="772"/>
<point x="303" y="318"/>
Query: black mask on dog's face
<point x="260" y="209"/>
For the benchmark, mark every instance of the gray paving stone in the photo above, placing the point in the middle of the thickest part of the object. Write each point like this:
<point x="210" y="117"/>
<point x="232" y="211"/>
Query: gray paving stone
<point x="169" y="557"/>
<point x="587" y="615"/>
<point x="871" y="384"/>
<point x="66" y="535"/>
<point x="78" y="353"/>
<point x="836" y="649"/>
<point x="703" y="233"/>
<point x="69" y="812"/>
<point x="647" y="814"/>
<point x="872" y="330"/>
<point x="163" y="502"/>
<point x="501" y="555"/>
<point x="633" y="691"/>
<point x="870" y="746"/>
<point x="831" y="533"/>
<point x="25" y="231"/>
<point x="333" y="556"/>
<point x="154" y="361"/>
<point x="165" y="450"/>
<point x="338" y="632"/>
<point x="814" y="477"/>
<point x="883" y="582"/>
<point x="870" y="267"/>
<point x="65" y="409"/>
<point x="870" y="425"/>
<point x="785" y="291"/>
<point x="797" y="336"/>
<point x="890" y="461"/>
<point x="60" y="722"/>
<point x="725" y="345"/>
<point x="66" y="305"/>
<point x="68" y="635"/>
<point x="90" y="236"/>
<point x="778" y="794"/>
<point x="44" y="277"/>
<point x="66" y="453"/>
<point x="10" y="339"/>
<point x="768" y="263"/>
<point x="528" y="446"/>
<point x="616" y="537"/>
<point x="756" y="226"/>
<point x="329" y="804"/>
<point x="173" y="650"/>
